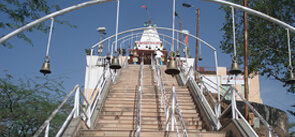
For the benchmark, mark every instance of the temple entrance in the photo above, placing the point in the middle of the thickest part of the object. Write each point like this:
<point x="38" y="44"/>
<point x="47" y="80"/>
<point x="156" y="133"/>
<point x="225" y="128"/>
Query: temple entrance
<point x="148" y="54"/>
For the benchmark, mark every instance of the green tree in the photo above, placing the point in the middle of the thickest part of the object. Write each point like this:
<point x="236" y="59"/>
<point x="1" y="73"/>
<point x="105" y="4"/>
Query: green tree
<point x="25" y="105"/>
<point x="16" y="13"/>
<point x="292" y="125"/>
<point x="268" y="47"/>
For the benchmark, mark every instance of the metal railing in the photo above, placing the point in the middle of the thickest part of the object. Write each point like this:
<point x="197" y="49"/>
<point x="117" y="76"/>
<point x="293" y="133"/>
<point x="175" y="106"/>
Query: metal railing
<point x="90" y="104"/>
<point x="236" y="114"/>
<point x="138" y="121"/>
<point x="165" y="103"/>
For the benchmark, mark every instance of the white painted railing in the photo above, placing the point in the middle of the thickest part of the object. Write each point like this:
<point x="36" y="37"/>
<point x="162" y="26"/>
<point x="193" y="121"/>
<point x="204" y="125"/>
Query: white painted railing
<point x="90" y="104"/>
<point x="138" y="122"/>
<point x="236" y="114"/>
<point x="165" y="103"/>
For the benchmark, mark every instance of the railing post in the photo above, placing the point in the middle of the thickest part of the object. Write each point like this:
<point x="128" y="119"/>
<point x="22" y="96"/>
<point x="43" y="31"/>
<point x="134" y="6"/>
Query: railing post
<point x="233" y="101"/>
<point x="76" y="105"/>
<point x="47" y="130"/>
<point x="139" y="97"/>
<point x="172" y="108"/>
<point x="167" y="117"/>
<point x="268" y="132"/>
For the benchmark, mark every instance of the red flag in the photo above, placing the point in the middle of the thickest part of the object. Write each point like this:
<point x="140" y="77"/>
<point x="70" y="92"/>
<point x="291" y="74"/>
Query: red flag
<point x="186" y="39"/>
<point x="144" y="7"/>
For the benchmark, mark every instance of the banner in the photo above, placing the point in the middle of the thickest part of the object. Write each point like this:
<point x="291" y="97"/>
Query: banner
<point x="233" y="79"/>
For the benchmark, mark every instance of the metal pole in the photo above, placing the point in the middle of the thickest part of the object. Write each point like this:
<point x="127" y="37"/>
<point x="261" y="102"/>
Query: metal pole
<point x="49" y="37"/>
<point x="180" y="28"/>
<point x="47" y="130"/>
<point x="173" y="25"/>
<point x="218" y="89"/>
<point x="289" y="50"/>
<point x="197" y="41"/>
<point x="172" y="108"/>
<point x="246" y="61"/>
<point x="117" y="22"/>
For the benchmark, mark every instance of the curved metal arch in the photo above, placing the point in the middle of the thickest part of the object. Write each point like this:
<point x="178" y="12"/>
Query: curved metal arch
<point x="152" y="36"/>
<point x="94" y="2"/>
<point x="52" y="15"/>
<point x="159" y="28"/>
<point x="140" y="36"/>
<point x="131" y="36"/>
<point x="254" y="12"/>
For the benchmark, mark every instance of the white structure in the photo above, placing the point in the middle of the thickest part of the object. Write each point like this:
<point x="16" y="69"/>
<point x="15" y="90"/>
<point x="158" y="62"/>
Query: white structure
<point x="150" y="40"/>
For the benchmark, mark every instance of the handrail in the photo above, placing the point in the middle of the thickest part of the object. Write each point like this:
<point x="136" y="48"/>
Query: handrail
<point x="89" y="108"/>
<point x="255" y="112"/>
<point x="163" y="91"/>
<point x="235" y="111"/>
<point x="165" y="103"/>
<point x="138" y="122"/>
<point x="54" y="112"/>
<point x="179" y="113"/>
<point x="215" y="113"/>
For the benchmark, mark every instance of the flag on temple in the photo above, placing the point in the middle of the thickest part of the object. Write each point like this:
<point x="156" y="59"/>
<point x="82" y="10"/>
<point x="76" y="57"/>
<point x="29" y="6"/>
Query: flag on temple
<point x="186" y="39"/>
<point x="144" y="7"/>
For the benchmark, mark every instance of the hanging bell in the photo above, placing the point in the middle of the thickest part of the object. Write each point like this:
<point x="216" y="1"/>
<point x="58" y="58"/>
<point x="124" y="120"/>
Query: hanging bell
<point x="115" y="63"/>
<point x="131" y="53"/>
<point x="200" y="58"/>
<point x="135" y="54"/>
<point x="178" y="54"/>
<point x="108" y="57"/>
<point x="235" y="70"/>
<point x="45" y="68"/>
<point x="172" y="67"/>
<point x="291" y="78"/>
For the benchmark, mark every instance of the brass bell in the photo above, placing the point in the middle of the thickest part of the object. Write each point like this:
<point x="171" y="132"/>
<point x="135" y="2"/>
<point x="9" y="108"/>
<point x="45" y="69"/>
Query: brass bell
<point x="200" y="58"/>
<point x="235" y="70"/>
<point x="172" y="67"/>
<point x="115" y="63"/>
<point x="45" y="68"/>
<point x="291" y="78"/>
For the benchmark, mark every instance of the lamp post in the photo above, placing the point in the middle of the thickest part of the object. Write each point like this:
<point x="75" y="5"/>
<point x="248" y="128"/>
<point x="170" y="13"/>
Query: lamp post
<point x="180" y="28"/>
<point x="246" y="73"/>
<point x="101" y="30"/>
<point x="197" y="12"/>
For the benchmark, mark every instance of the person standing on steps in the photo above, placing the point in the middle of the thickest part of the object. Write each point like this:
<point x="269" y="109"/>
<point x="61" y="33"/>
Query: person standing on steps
<point x="159" y="56"/>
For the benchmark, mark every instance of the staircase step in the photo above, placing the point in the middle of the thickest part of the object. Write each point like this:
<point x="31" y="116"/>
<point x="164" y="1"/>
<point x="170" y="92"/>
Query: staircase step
<point x="118" y="126"/>
<point x="179" y="99"/>
<point x="150" y="118"/>
<point x="114" y="105"/>
<point x="133" y="121"/>
<point x="188" y="103"/>
<point x="126" y="109"/>
<point x="144" y="133"/>
<point x="143" y="114"/>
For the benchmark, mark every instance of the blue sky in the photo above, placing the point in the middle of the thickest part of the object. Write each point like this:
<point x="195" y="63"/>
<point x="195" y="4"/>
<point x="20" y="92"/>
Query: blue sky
<point x="67" y="53"/>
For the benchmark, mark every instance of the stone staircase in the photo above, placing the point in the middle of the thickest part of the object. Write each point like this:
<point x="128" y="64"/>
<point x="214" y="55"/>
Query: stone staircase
<point x="119" y="114"/>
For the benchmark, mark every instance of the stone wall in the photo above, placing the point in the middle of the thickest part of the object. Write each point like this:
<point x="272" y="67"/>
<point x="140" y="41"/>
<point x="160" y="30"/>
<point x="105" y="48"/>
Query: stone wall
<point x="275" y="117"/>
